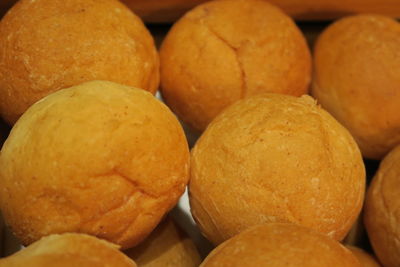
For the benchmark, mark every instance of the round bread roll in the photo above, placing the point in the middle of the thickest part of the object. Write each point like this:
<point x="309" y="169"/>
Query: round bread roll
<point x="357" y="79"/>
<point x="47" y="45"/>
<point x="275" y="158"/>
<point x="207" y="63"/>
<point x="167" y="246"/>
<point x="68" y="250"/>
<point x="381" y="214"/>
<point x="363" y="257"/>
<point x="98" y="158"/>
<point x="280" y="244"/>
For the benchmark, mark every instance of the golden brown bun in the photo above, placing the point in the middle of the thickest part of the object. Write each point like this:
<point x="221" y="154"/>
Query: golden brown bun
<point x="357" y="78"/>
<point x="275" y="158"/>
<point x="99" y="158"/>
<point x="47" y="45"/>
<point x="363" y="257"/>
<point x="167" y="246"/>
<point x="72" y="250"/>
<point x="382" y="216"/>
<point x="170" y="10"/>
<point x="207" y="63"/>
<point x="280" y="244"/>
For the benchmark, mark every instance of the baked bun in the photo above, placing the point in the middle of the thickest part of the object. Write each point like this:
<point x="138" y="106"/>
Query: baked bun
<point x="167" y="246"/>
<point x="357" y="79"/>
<point x="280" y="244"/>
<point x="47" y="45"/>
<point x="207" y="63"/>
<point x="363" y="257"/>
<point x="68" y="250"/>
<point x="99" y="158"/>
<point x="275" y="158"/>
<point x="381" y="216"/>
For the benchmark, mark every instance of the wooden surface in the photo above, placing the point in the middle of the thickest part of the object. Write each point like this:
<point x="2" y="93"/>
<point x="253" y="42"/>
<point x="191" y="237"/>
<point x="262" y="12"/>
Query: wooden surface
<point x="169" y="10"/>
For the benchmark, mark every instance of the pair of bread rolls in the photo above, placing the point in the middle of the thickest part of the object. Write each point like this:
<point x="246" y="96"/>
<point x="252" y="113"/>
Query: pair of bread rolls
<point x="167" y="246"/>
<point x="69" y="250"/>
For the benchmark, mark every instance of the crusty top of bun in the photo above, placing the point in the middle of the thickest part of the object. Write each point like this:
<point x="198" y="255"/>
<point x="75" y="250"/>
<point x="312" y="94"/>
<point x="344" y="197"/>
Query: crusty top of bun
<point x="357" y="77"/>
<point x="280" y="244"/>
<point x="275" y="158"/>
<point x="381" y="210"/>
<point x="47" y="45"/>
<point x="98" y="158"/>
<point x="208" y="64"/>
<point x="71" y="250"/>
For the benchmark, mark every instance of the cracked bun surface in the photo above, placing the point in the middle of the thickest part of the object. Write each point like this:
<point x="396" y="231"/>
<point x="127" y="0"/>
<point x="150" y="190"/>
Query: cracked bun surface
<point x="357" y="79"/>
<point x="99" y="158"/>
<point x="68" y="250"/>
<point x="47" y="45"/>
<point x="207" y="64"/>
<point x="381" y="212"/>
<point x="280" y="244"/>
<point x="275" y="158"/>
<point x="167" y="246"/>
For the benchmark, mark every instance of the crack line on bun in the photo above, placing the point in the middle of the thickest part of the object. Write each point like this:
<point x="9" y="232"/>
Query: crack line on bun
<point x="235" y="51"/>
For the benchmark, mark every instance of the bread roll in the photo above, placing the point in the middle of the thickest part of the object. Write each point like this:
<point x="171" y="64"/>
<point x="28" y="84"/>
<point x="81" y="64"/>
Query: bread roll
<point x="275" y="158"/>
<point x="357" y="79"/>
<point x="170" y="10"/>
<point x="280" y="244"/>
<point x="99" y="158"/>
<point x="207" y="63"/>
<point x="364" y="258"/>
<point x="381" y="216"/>
<point x="47" y="45"/>
<point x="167" y="246"/>
<point x="69" y="250"/>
